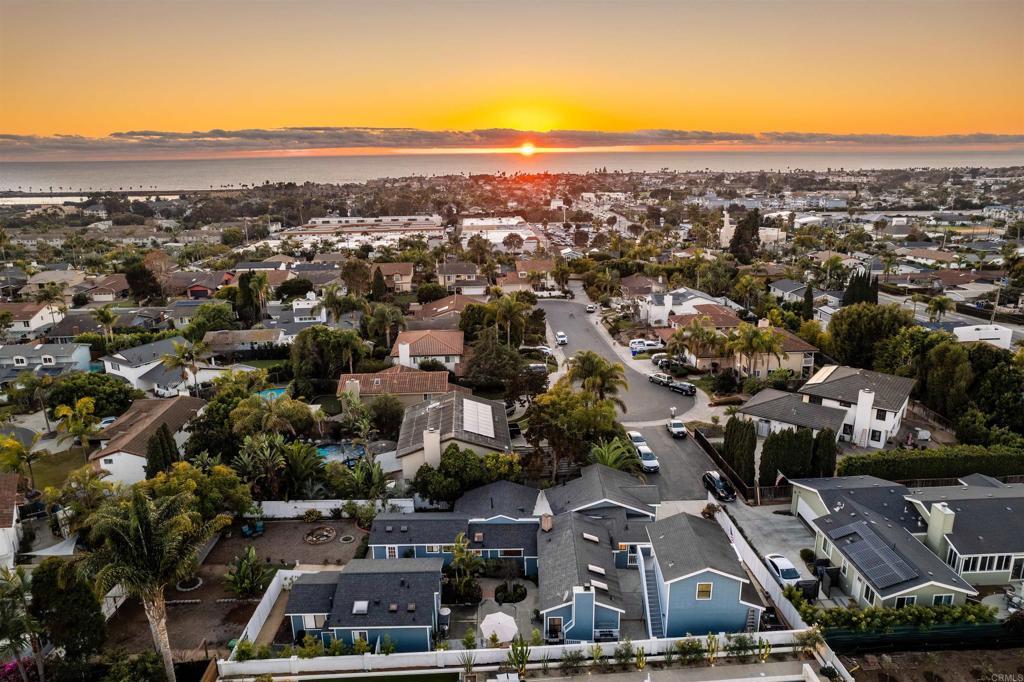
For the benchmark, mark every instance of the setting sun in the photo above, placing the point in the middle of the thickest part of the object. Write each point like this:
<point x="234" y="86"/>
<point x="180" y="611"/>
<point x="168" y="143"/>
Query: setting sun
<point x="527" y="149"/>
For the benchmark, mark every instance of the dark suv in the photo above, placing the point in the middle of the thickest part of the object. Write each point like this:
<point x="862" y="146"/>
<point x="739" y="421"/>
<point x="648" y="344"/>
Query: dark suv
<point x="718" y="486"/>
<point x="683" y="387"/>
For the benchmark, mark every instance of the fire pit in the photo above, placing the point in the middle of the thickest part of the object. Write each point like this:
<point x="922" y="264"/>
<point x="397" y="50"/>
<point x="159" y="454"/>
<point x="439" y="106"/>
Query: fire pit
<point x="320" y="535"/>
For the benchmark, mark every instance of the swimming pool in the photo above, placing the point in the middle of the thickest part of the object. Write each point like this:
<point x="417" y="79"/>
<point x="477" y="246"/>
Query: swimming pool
<point x="347" y="452"/>
<point x="273" y="393"/>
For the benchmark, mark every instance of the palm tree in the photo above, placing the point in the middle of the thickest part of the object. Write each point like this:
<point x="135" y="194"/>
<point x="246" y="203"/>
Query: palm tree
<point x="258" y="288"/>
<point x="259" y="414"/>
<point x="77" y="421"/>
<point x="186" y="357"/>
<point x="349" y="345"/>
<point x="937" y="307"/>
<point x="143" y="545"/>
<point x="616" y="454"/>
<point x="18" y="623"/>
<point x="752" y="342"/>
<point x="918" y="298"/>
<point x="465" y="564"/>
<point x="510" y="312"/>
<point x="14" y="639"/>
<point x="18" y="457"/>
<point x="106" y="317"/>
<point x="695" y="338"/>
<point x="51" y="295"/>
<point x="888" y="264"/>
<point x="260" y="462"/>
<point x="384" y="318"/>
<point x="602" y="379"/>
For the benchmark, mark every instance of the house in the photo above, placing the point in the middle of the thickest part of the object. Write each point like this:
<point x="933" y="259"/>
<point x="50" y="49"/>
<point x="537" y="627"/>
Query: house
<point x="503" y="501"/>
<point x="370" y="600"/>
<point x="10" y="521"/>
<point x="773" y="410"/>
<point x="123" y="444"/>
<point x="879" y="535"/>
<point x="107" y="289"/>
<point x="230" y="341"/>
<point x="65" y="279"/>
<point x="431" y="534"/>
<point x="540" y="269"/>
<point x="694" y="582"/>
<point x="638" y="284"/>
<point x="791" y="291"/>
<point x="580" y="596"/>
<point x="30" y="319"/>
<point x="195" y="285"/>
<point x="182" y="312"/>
<point x="49" y="359"/>
<point x="413" y="347"/>
<point x="444" y="313"/>
<point x="995" y="334"/>
<point x="408" y="384"/>
<point x="930" y="257"/>
<point x="656" y="308"/>
<point x="601" y="491"/>
<point x="875" y="403"/>
<point x="77" y="322"/>
<point x="397" y="276"/>
<point x="452" y="275"/>
<point x="431" y="426"/>
<point x="142" y="366"/>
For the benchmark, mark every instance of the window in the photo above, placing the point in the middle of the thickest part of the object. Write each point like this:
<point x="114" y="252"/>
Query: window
<point x="432" y="549"/>
<point x="847" y="429"/>
<point x="869" y="594"/>
<point x="880" y="415"/>
<point x="843" y="403"/>
<point x="704" y="591"/>
<point x="942" y="600"/>
<point x="952" y="557"/>
<point x="623" y="546"/>
<point x="876" y="435"/>
<point x="845" y="568"/>
<point x="108" y="460"/>
<point x="114" y="367"/>
<point x="20" y="361"/>
<point x="826" y="546"/>
<point x="359" y="634"/>
<point x="392" y="552"/>
<point x="905" y="601"/>
<point x="510" y="553"/>
<point x="48" y="360"/>
<point x="814" y="400"/>
<point x="447" y="548"/>
<point x="987" y="563"/>
<point x="313" y="621"/>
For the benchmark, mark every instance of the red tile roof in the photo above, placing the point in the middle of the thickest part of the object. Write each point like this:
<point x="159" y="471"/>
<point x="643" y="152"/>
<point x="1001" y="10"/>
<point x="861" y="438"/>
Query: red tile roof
<point x="455" y="303"/>
<point x="8" y="499"/>
<point x="430" y="342"/>
<point x="398" y="380"/>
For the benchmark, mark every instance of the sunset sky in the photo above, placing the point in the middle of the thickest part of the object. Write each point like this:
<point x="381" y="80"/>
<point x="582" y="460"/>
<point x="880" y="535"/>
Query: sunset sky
<point x="927" y="68"/>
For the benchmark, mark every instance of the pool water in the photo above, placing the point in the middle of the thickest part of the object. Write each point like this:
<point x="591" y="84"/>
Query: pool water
<point x="272" y="393"/>
<point x="346" y="452"/>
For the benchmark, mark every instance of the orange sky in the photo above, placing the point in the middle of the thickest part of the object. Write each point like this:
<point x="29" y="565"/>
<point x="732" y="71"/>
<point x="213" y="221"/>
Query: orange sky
<point x="914" y="67"/>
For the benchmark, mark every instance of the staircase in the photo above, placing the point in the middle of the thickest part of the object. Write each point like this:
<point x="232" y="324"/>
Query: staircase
<point x="753" y="620"/>
<point x="653" y="601"/>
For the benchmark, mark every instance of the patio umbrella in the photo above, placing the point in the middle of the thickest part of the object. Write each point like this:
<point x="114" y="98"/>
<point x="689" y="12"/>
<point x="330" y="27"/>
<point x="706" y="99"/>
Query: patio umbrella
<point x="501" y="624"/>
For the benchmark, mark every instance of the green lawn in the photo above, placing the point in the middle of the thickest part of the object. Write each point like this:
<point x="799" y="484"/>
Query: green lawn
<point x="53" y="470"/>
<point x="265" y="364"/>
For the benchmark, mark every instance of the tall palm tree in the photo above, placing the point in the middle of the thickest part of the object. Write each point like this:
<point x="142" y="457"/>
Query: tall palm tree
<point x="510" y="312"/>
<point x="260" y="462"/>
<point x="918" y="298"/>
<point x="349" y="346"/>
<point x="143" y="545"/>
<point x="186" y="357"/>
<point x="77" y="421"/>
<point x="14" y="639"/>
<point x="937" y="307"/>
<point x="598" y="377"/>
<point x="259" y="288"/>
<point x="51" y="295"/>
<point x="17" y="457"/>
<point x="259" y="414"/>
<point x="694" y="338"/>
<point x="616" y="454"/>
<point x="752" y="342"/>
<point x="384" y="318"/>
<point x="18" y="622"/>
<point x="106" y="317"/>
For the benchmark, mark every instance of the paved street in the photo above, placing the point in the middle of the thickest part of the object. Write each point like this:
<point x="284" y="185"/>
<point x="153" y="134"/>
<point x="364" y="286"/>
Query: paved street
<point x="952" y="316"/>
<point x="682" y="462"/>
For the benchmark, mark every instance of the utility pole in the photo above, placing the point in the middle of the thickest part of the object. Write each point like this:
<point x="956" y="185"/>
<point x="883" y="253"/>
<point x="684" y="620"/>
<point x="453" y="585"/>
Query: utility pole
<point x="999" y="290"/>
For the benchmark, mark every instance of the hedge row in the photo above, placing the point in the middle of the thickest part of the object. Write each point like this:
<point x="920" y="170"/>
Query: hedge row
<point x="885" y="618"/>
<point x="951" y="461"/>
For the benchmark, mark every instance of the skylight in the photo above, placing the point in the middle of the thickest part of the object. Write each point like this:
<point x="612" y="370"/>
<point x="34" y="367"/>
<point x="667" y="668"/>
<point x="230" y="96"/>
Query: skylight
<point x="595" y="569"/>
<point x="598" y="585"/>
<point x="360" y="607"/>
<point x="592" y="538"/>
<point x="477" y="418"/>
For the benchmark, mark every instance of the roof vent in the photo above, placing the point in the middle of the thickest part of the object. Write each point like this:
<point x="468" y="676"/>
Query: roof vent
<point x="478" y="537"/>
<point x="405" y="529"/>
<point x="388" y="529"/>
<point x="393" y="607"/>
<point x="411" y="608"/>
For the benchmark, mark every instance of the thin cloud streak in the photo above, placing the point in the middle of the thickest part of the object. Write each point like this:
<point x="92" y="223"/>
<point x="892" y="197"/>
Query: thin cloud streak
<point x="155" y="144"/>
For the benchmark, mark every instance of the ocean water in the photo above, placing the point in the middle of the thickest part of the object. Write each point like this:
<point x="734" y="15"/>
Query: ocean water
<point x="196" y="174"/>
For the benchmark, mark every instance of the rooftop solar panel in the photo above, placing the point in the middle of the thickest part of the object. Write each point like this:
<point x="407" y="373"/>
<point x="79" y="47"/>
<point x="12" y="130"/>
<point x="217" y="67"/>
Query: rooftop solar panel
<point x="871" y="555"/>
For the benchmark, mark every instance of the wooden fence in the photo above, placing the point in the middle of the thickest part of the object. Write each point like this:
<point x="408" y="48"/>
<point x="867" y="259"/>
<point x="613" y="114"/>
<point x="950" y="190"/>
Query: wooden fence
<point x="752" y="495"/>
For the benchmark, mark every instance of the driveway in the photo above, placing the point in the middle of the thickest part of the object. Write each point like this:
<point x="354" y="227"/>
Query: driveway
<point x="682" y="464"/>
<point x="774" y="533"/>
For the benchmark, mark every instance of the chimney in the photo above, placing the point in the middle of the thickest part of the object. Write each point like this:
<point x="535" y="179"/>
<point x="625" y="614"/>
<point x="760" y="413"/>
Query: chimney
<point x="432" y="447"/>
<point x="940" y="524"/>
<point x="352" y="388"/>
<point x="863" y="416"/>
<point x="763" y="323"/>
<point x="547" y="522"/>
<point x="404" y="358"/>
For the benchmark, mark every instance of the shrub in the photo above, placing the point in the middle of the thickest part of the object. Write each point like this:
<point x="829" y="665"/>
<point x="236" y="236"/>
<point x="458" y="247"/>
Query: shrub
<point x="364" y="547"/>
<point x="807" y="555"/>
<point x="951" y="461"/>
<point x="312" y="516"/>
<point x="885" y="618"/>
<point x="246" y="575"/>
<point x="572" y="662"/>
<point x="509" y="593"/>
<point x="689" y="650"/>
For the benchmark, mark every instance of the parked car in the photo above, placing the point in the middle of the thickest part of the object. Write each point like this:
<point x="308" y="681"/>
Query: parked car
<point x="537" y="367"/>
<point x="648" y="461"/>
<point x="660" y="378"/>
<point x="540" y="349"/>
<point x="716" y="484"/>
<point x="106" y="421"/>
<point x="513" y="430"/>
<point x="683" y="387"/>
<point x="637" y="344"/>
<point x="668" y="363"/>
<point x="636" y="438"/>
<point x="657" y="358"/>
<point x="591" y="308"/>
<point x="677" y="428"/>
<point x="782" y="569"/>
<point x="561" y="339"/>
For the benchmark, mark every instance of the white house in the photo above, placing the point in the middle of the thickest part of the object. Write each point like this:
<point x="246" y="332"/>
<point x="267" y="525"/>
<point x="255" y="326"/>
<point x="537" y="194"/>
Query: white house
<point x="123" y="444"/>
<point x="415" y="346"/>
<point x="29" y="319"/>
<point x="143" y="368"/>
<point x="10" y="524"/>
<point x="656" y="308"/>
<point x="997" y="335"/>
<point x="875" y="403"/>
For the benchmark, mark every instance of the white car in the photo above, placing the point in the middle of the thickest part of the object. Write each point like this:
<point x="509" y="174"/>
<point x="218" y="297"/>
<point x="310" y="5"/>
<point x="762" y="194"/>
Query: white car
<point x="677" y="428"/>
<point x="648" y="461"/>
<point x="561" y="339"/>
<point x="106" y="421"/>
<point x="638" y="344"/>
<point x="782" y="569"/>
<point x="591" y="308"/>
<point x="636" y="438"/>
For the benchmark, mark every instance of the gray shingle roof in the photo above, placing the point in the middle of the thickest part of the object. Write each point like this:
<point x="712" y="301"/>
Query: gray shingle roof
<point x="790" y="408"/>
<point x="501" y="498"/>
<point x="685" y="544"/>
<point x="505" y="536"/>
<point x="445" y="413"/>
<point x="845" y="383"/>
<point x="565" y="557"/>
<point x="438" y="528"/>
<point x="146" y="353"/>
<point x="598" y="482"/>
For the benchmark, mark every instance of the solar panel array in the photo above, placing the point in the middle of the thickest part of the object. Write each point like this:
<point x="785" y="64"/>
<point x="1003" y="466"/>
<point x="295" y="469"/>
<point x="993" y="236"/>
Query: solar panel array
<point x="477" y="418"/>
<point x="876" y="560"/>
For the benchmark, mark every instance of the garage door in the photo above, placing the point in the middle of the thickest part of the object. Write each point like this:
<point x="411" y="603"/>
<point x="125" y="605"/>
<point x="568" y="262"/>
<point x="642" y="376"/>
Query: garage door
<point x="804" y="511"/>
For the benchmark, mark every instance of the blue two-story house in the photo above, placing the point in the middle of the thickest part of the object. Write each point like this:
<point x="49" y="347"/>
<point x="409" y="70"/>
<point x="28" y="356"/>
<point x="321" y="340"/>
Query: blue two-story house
<point x="694" y="582"/>
<point x="370" y="600"/>
<point x="432" y="534"/>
